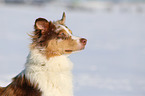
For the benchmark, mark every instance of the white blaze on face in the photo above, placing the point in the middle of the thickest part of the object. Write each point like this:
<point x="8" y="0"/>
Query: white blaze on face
<point x="68" y="32"/>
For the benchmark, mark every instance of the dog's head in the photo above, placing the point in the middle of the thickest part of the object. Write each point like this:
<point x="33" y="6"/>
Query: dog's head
<point x="54" y="38"/>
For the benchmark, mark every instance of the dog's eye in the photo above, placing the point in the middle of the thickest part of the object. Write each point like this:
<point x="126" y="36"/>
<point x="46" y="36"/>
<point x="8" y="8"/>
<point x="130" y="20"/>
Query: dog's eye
<point x="62" y="34"/>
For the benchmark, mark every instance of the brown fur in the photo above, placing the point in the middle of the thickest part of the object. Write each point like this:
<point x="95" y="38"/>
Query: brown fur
<point x="41" y="36"/>
<point x="46" y="37"/>
<point x="20" y="87"/>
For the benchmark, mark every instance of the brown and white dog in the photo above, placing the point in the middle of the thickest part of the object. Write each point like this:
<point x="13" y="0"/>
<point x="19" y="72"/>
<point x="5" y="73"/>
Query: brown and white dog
<point x="48" y="69"/>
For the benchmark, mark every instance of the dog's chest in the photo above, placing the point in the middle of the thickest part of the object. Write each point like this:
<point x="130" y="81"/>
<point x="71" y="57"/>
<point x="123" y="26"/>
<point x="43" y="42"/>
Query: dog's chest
<point x="53" y="77"/>
<point x="56" y="84"/>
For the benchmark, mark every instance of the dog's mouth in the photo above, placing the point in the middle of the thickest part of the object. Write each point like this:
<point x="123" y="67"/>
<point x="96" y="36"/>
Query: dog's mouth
<point x="68" y="51"/>
<point x="78" y="48"/>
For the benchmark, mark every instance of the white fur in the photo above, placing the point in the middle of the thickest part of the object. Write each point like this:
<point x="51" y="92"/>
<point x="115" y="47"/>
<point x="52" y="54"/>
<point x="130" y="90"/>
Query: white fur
<point x="53" y="76"/>
<point x="73" y="37"/>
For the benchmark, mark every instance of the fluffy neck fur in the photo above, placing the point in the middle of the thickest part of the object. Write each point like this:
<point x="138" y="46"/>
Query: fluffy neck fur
<point x="52" y="76"/>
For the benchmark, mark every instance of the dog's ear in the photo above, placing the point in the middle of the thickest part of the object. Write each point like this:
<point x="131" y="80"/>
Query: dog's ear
<point x="41" y="24"/>
<point x="41" y="30"/>
<point x="62" y="21"/>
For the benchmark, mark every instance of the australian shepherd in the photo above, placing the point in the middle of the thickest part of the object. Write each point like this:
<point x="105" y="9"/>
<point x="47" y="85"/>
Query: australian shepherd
<point x="47" y="69"/>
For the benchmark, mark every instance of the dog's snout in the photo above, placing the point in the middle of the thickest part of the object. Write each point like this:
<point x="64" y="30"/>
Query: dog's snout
<point x="83" y="41"/>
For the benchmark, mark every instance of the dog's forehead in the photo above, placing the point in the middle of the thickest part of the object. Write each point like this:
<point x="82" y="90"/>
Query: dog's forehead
<point x="68" y="31"/>
<point x="62" y="27"/>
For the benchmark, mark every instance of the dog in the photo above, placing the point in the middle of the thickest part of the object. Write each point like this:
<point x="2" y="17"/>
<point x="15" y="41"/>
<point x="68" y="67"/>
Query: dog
<point x="47" y="69"/>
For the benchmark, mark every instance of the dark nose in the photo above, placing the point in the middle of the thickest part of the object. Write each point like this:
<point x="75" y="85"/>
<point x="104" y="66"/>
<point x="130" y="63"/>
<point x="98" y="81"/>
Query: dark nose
<point x="83" y="41"/>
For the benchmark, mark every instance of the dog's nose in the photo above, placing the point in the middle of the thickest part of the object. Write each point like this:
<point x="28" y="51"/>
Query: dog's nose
<point x="83" y="41"/>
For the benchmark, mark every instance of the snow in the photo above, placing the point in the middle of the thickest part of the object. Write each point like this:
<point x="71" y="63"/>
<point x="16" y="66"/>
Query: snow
<point x="113" y="63"/>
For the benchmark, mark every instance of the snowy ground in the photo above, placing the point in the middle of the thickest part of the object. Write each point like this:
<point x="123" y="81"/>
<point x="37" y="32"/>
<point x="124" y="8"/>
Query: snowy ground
<point x="113" y="63"/>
